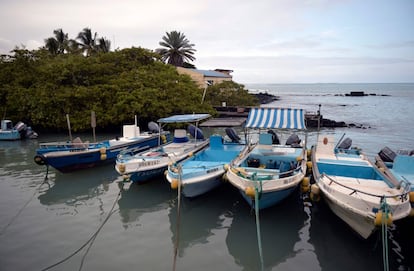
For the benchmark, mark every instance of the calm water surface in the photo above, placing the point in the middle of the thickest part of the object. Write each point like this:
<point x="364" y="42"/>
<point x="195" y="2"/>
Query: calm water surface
<point x="42" y="223"/>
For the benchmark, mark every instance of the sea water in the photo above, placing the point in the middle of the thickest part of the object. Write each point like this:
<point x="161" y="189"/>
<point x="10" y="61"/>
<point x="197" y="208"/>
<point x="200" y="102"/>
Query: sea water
<point x="84" y="221"/>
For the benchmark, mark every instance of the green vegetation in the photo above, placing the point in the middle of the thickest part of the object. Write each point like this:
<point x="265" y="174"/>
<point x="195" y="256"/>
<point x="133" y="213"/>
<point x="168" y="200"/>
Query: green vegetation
<point x="41" y="86"/>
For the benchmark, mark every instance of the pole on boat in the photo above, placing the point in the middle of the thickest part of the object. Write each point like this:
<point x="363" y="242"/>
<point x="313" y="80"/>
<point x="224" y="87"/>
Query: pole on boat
<point x="93" y="124"/>
<point x="319" y="117"/>
<point x="135" y="127"/>
<point x="70" y="132"/>
<point x="208" y="83"/>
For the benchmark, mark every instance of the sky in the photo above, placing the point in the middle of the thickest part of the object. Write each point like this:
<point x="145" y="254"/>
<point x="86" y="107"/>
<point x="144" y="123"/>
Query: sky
<point x="263" y="41"/>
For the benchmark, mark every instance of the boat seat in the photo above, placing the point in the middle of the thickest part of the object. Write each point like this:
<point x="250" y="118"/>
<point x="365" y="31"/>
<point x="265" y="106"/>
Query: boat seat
<point x="265" y="139"/>
<point x="180" y="136"/>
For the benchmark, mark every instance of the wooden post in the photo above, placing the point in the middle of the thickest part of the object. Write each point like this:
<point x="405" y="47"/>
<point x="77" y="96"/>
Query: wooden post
<point x="70" y="132"/>
<point x="93" y="124"/>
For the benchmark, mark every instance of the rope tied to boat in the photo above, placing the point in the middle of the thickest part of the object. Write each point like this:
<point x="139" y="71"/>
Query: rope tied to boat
<point x="177" y="239"/>
<point x="384" y="232"/>
<point x="258" y="231"/>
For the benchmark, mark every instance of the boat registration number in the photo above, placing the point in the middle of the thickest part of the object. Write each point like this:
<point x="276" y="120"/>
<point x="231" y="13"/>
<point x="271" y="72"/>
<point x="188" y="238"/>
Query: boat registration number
<point x="148" y="163"/>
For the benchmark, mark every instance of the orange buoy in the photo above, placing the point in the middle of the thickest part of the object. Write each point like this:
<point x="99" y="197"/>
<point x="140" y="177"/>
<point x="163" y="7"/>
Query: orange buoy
<point x="250" y="191"/>
<point x="379" y="218"/>
<point x="121" y="167"/>
<point x="174" y="183"/>
<point x="412" y="196"/>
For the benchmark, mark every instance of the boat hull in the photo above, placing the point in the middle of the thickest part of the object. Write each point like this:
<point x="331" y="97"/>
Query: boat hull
<point x="67" y="161"/>
<point x="273" y="184"/>
<point x="9" y="135"/>
<point x="268" y="199"/>
<point x="204" y="171"/>
<point x="150" y="164"/>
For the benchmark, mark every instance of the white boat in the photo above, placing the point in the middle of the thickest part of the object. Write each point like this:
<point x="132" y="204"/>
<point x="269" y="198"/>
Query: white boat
<point x="140" y="166"/>
<point x="203" y="171"/>
<point x="398" y="167"/>
<point x="267" y="172"/>
<point x="354" y="189"/>
<point x="17" y="132"/>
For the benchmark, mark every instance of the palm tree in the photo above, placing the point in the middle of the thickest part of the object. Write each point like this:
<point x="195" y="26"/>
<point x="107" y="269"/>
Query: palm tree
<point x="87" y="41"/>
<point x="57" y="44"/>
<point x="103" y="45"/>
<point x="177" y="49"/>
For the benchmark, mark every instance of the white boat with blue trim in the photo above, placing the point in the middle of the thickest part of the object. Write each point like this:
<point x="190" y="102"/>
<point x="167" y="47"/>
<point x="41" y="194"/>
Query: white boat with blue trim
<point x="354" y="189"/>
<point x="203" y="171"/>
<point x="17" y="132"/>
<point x="398" y="167"/>
<point x="140" y="166"/>
<point x="267" y="172"/>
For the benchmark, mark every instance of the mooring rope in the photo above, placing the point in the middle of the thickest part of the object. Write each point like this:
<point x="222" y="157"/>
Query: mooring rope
<point x="384" y="234"/>
<point x="23" y="207"/>
<point x="177" y="229"/>
<point x="259" y="237"/>
<point x="90" y="240"/>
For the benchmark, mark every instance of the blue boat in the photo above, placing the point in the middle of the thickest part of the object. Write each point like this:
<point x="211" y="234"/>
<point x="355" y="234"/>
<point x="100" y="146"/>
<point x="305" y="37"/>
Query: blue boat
<point x="140" y="166"/>
<point x="8" y="132"/>
<point x="398" y="167"/>
<point x="75" y="155"/>
<point x="266" y="172"/>
<point x="203" y="171"/>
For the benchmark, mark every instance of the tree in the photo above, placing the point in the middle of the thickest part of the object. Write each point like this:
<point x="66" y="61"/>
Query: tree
<point x="87" y="41"/>
<point x="177" y="49"/>
<point x="103" y="45"/>
<point x="57" y="44"/>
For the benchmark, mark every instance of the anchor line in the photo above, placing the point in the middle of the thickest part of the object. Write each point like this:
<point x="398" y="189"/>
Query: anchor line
<point x="23" y="207"/>
<point x="384" y="234"/>
<point x="258" y="232"/>
<point x="91" y="239"/>
<point x="177" y="230"/>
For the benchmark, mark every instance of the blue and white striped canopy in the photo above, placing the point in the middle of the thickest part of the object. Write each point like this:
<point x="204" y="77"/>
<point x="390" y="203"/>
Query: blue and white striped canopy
<point x="281" y="118"/>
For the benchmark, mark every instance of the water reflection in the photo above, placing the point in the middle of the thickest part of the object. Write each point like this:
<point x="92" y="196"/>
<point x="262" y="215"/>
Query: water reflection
<point x="76" y="188"/>
<point x="339" y="248"/>
<point x="144" y="198"/>
<point x="200" y="216"/>
<point x="279" y="226"/>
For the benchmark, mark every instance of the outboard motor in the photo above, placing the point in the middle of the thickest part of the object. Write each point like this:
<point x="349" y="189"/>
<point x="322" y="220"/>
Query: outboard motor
<point x="30" y="133"/>
<point x="232" y="135"/>
<point x="153" y="127"/>
<point x="387" y="155"/>
<point x="345" y="144"/>
<point x="275" y="138"/>
<point x="195" y="132"/>
<point x="293" y="140"/>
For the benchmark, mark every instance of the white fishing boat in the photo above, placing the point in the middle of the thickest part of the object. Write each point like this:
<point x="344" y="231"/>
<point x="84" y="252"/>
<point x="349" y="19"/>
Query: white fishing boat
<point x="203" y="171"/>
<point x="17" y="132"/>
<point x="354" y="189"/>
<point x="140" y="166"/>
<point x="267" y="172"/>
<point x="398" y="167"/>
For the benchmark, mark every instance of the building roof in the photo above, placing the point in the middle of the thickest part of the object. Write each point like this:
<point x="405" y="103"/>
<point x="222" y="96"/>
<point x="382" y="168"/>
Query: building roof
<point x="210" y="73"/>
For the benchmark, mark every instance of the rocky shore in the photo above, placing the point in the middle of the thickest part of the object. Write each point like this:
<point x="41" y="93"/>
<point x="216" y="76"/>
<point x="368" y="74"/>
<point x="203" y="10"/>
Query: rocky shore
<point x="312" y="119"/>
